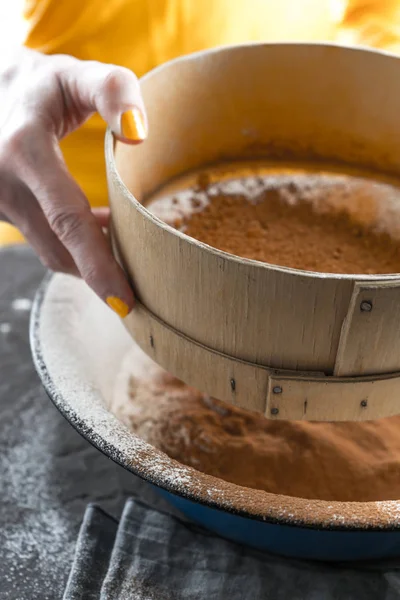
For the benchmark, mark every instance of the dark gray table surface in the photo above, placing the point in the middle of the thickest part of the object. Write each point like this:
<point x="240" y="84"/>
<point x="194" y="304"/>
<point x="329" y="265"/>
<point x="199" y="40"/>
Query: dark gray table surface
<point x="48" y="472"/>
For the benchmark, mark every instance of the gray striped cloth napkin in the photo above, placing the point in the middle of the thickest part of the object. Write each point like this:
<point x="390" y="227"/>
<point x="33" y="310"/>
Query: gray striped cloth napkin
<point x="152" y="555"/>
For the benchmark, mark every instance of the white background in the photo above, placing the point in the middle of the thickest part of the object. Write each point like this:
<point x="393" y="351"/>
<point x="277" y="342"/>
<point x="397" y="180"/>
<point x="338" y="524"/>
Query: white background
<point x="12" y="26"/>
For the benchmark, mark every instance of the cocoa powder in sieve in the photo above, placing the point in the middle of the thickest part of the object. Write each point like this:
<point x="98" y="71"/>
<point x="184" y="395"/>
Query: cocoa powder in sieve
<point x="298" y="222"/>
<point x="327" y="223"/>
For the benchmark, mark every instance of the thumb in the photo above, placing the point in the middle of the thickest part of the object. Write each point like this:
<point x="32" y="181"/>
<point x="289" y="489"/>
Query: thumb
<point x="113" y="92"/>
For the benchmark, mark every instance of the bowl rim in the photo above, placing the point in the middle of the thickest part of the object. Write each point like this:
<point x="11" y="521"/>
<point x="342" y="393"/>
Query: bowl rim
<point x="109" y="145"/>
<point x="389" y="510"/>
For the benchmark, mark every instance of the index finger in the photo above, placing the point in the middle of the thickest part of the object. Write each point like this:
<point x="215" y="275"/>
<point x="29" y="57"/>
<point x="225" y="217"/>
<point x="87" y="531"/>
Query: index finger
<point x="70" y="217"/>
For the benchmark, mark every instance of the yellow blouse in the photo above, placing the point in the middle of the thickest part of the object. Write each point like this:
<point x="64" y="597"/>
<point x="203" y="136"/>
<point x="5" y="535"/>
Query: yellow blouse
<point x="141" y="34"/>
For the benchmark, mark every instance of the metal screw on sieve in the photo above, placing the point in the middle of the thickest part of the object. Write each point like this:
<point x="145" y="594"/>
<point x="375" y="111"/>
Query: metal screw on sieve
<point x="277" y="389"/>
<point x="233" y="385"/>
<point x="364" y="403"/>
<point x="366" y="306"/>
<point x="274" y="411"/>
<point x="151" y="341"/>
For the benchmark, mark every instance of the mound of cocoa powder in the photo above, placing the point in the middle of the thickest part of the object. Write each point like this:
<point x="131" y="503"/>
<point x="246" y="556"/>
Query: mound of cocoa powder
<point x="296" y="222"/>
<point x="328" y="461"/>
<point x="315" y="223"/>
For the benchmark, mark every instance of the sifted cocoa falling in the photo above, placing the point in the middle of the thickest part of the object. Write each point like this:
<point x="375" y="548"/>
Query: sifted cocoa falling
<point x="326" y="461"/>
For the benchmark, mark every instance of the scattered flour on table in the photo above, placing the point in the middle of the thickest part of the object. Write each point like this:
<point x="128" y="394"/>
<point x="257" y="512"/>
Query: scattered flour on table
<point x="23" y="304"/>
<point x="5" y="328"/>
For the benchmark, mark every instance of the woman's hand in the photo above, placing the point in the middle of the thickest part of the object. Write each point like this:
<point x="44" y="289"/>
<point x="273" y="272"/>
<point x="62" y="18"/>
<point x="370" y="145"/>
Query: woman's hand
<point x="42" y="99"/>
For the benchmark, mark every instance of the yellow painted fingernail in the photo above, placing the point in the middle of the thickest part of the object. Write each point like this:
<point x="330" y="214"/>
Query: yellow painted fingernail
<point x="118" y="306"/>
<point x="133" y="125"/>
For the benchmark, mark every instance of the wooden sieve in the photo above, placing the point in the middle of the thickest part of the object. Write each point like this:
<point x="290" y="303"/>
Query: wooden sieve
<point x="287" y="343"/>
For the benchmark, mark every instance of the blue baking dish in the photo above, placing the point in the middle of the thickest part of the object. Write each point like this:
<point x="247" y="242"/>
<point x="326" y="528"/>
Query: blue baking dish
<point x="76" y="341"/>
